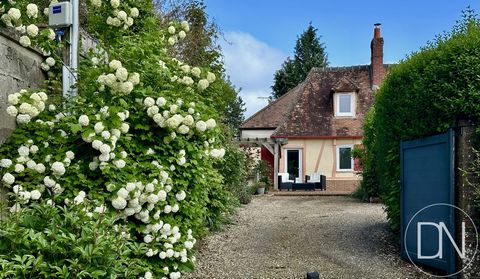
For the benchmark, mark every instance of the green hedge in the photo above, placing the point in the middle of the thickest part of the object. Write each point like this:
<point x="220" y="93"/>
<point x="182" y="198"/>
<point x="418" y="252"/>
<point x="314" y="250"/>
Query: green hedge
<point x="423" y="95"/>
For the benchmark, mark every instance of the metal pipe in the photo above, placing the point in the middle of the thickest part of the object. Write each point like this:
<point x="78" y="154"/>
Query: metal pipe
<point x="74" y="38"/>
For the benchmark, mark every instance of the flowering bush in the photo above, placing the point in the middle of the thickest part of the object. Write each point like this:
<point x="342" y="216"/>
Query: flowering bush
<point x="120" y="180"/>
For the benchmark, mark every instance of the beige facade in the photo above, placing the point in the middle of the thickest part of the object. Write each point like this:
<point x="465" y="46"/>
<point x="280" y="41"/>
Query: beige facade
<point x="320" y="155"/>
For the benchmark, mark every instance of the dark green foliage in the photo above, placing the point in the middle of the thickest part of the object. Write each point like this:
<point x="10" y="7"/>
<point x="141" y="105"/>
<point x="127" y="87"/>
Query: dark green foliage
<point x="234" y="114"/>
<point x="309" y="53"/>
<point x="422" y="96"/>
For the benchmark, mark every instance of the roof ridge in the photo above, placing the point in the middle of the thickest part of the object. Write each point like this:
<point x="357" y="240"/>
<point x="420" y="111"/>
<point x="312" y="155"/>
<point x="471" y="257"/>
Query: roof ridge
<point x="271" y="104"/>
<point x="330" y="69"/>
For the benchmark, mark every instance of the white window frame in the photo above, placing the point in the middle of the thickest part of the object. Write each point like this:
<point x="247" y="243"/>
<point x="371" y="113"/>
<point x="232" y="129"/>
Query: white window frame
<point x="352" y="105"/>
<point x="300" y="163"/>
<point x="338" y="158"/>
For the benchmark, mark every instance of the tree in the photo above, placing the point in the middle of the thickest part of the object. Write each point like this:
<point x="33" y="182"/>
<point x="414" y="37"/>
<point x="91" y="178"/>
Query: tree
<point x="309" y="53"/>
<point x="234" y="114"/>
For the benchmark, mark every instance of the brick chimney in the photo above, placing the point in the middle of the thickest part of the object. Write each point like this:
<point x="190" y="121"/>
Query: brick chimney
<point x="376" y="66"/>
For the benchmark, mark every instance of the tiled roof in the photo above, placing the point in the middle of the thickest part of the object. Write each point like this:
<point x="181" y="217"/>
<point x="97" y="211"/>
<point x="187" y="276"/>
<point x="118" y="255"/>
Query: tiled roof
<point x="271" y="116"/>
<point x="307" y="110"/>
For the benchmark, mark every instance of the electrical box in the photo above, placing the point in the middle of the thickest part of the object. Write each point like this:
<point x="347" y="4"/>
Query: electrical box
<point x="60" y="15"/>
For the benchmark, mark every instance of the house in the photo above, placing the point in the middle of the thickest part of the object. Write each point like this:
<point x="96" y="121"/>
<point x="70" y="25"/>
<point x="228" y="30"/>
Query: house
<point x="314" y="127"/>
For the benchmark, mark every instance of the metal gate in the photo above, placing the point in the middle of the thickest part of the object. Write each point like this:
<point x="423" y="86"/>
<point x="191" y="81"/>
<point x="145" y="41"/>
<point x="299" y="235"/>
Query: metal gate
<point x="428" y="178"/>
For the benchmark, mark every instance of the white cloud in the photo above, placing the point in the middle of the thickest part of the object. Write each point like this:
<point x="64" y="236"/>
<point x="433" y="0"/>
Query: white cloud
<point x="251" y="65"/>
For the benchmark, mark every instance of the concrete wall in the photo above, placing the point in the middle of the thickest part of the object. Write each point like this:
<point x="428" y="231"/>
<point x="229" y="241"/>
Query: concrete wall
<point x="19" y="69"/>
<point x="319" y="155"/>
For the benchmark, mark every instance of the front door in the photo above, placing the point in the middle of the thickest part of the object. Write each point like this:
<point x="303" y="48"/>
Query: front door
<point x="293" y="163"/>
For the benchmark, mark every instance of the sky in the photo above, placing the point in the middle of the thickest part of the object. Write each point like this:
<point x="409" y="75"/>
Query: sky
<point x="258" y="35"/>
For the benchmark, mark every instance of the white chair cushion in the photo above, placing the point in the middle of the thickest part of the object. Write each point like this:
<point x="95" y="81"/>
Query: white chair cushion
<point x="285" y="176"/>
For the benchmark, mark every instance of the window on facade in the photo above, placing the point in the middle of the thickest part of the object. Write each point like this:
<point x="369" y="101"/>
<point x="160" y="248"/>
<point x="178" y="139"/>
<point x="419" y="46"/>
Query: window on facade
<point x="344" y="158"/>
<point x="345" y="104"/>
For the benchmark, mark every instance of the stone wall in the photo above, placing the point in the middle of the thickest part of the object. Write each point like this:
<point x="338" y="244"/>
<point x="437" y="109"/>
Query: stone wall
<point x="466" y="182"/>
<point x="19" y="69"/>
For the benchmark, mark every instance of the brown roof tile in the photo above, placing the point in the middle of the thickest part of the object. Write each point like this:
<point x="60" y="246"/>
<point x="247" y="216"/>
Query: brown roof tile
<point x="274" y="113"/>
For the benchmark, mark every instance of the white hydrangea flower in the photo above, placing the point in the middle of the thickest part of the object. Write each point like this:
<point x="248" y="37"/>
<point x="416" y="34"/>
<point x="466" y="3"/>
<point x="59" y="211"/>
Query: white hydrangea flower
<point x="58" y="168"/>
<point x="31" y="164"/>
<point x="171" y="30"/>
<point x="134" y="12"/>
<point x="151" y="111"/>
<point x="50" y="61"/>
<point x="172" y="41"/>
<point x="123" y="193"/>
<point x="122" y="15"/>
<point x="35" y="195"/>
<point x="14" y="14"/>
<point x="196" y="71"/>
<point x="100" y="209"/>
<point x="23" y="150"/>
<point x="188" y="244"/>
<point x="51" y="34"/>
<point x="14" y="99"/>
<point x="180" y="196"/>
<point x="104" y="157"/>
<point x="203" y="84"/>
<point x="134" y="78"/>
<point x="96" y="144"/>
<point x="40" y="168"/>
<point x="124" y="128"/>
<point x="83" y="120"/>
<point x="17" y="188"/>
<point x="8" y="178"/>
<point x="148" y="102"/>
<point x="175" y="208"/>
<point x="119" y="163"/>
<point x="211" y="123"/>
<point x="52" y="107"/>
<point x="183" y="129"/>
<point x="70" y="155"/>
<point x="49" y="182"/>
<point x="25" y="41"/>
<point x="97" y="3"/>
<point x="185" y="25"/>
<point x="126" y="87"/>
<point x="19" y="168"/>
<point x="115" y="64"/>
<point x="32" y="30"/>
<point x="98" y="127"/>
<point x="115" y="3"/>
<point x="5" y="163"/>
<point x="217" y="153"/>
<point x="121" y="74"/>
<point x="12" y="111"/>
<point x="211" y="77"/>
<point x="201" y="126"/>
<point x="106" y="134"/>
<point x="182" y="34"/>
<point x="32" y="10"/>
<point x="119" y="203"/>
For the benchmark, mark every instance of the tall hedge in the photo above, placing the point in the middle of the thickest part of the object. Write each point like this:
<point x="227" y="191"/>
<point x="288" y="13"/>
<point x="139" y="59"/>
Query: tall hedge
<point x="421" y="96"/>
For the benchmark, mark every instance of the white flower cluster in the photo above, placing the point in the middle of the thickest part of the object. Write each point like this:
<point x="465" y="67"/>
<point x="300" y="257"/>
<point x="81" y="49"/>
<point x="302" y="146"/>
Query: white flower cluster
<point x="120" y="81"/>
<point x="49" y="62"/>
<point x="172" y="118"/>
<point x="12" y="18"/>
<point x="25" y="106"/>
<point x="145" y="201"/>
<point x="203" y="82"/>
<point x="180" y="35"/>
<point x="217" y="153"/>
<point x="104" y="139"/>
<point x="119" y="18"/>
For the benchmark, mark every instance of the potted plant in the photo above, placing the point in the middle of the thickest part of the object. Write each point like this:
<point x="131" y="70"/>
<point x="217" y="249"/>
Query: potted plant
<point x="264" y="182"/>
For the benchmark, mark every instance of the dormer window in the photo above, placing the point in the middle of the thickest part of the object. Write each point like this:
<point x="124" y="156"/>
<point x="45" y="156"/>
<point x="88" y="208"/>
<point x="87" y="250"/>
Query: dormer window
<point x="345" y="104"/>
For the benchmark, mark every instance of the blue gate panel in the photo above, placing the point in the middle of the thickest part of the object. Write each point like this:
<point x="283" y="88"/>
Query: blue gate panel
<point x="427" y="178"/>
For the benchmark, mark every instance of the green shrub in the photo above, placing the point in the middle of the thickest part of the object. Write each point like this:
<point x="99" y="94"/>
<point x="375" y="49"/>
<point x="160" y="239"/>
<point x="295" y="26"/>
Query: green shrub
<point x="139" y="143"/>
<point x="423" y="95"/>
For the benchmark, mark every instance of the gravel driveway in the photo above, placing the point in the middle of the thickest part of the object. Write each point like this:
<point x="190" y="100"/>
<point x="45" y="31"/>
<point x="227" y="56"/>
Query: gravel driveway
<point x="286" y="237"/>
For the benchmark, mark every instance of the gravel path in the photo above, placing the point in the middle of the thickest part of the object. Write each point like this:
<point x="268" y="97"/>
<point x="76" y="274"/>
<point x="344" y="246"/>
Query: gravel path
<point x="286" y="237"/>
